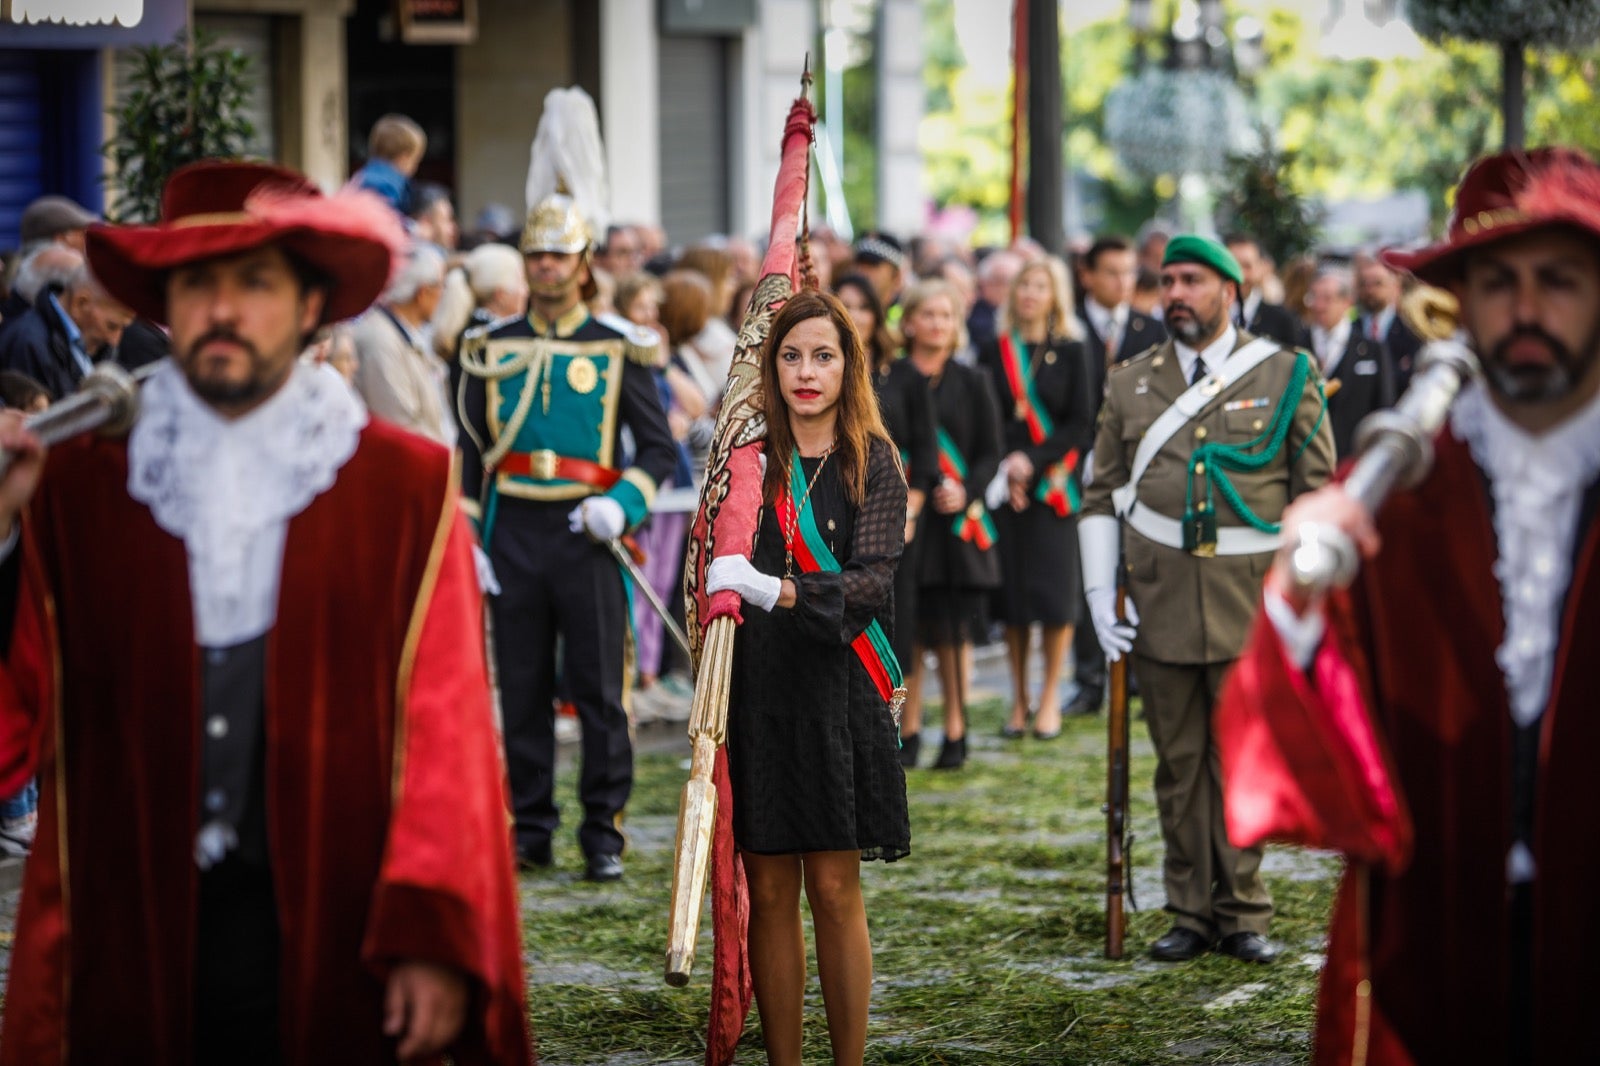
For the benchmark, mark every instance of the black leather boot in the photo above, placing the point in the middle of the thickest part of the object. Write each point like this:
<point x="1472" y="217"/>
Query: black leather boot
<point x="952" y="755"/>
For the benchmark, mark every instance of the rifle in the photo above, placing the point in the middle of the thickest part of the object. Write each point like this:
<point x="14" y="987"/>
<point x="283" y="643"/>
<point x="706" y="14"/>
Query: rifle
<point x="1117" y="796"/>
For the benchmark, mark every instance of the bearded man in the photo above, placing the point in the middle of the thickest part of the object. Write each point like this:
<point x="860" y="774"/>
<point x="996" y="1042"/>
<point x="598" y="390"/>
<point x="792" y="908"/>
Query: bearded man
<point x="1437" y="722"/>
<point x="247" y="665"/>
<point x="1203" y="441"/>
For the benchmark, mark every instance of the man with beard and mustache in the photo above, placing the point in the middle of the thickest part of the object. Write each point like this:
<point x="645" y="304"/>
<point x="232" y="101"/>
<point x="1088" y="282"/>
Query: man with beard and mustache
<point x="1437" y="722"/>
<point x="1202" y="443"/>
<point x="247" y="664"/>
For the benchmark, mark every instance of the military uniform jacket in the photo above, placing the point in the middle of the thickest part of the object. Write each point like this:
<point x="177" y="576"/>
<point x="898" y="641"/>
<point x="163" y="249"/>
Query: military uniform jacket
<point x="1198" y="610"/>
<point x="551" y="393"/>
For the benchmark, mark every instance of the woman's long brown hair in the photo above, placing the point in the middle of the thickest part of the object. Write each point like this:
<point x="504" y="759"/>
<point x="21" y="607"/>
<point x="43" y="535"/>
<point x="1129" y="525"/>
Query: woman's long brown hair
<point x="858" y="420"/>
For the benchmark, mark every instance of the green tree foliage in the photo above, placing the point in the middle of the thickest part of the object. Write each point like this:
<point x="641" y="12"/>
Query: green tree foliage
<point x="1257" y="198"/>
<point x="1559" y="23"/>
<point x="1347" y="129"/>
<point x="966" y="130"/>
<point x="185" y="104"/>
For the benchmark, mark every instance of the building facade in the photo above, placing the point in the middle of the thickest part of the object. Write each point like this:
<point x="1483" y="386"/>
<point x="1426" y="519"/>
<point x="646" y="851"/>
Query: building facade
<point x="691" y="93"/>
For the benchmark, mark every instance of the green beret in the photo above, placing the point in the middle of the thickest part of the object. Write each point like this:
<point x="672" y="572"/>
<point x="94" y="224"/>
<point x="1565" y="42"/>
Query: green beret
<point x="1192" y="248"/>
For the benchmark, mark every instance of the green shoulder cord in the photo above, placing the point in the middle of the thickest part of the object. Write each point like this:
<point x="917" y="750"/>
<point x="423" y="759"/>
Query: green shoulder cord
<point x="1215" y="461"/>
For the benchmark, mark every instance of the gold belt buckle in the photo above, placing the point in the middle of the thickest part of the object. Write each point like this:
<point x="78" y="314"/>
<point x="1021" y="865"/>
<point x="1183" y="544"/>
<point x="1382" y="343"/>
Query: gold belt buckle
<point x="542" y="464"/>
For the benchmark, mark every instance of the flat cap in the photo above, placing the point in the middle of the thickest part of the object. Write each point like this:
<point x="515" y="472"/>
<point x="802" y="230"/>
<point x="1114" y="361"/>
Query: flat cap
<point x="49" y="216"/>
<point x="1192" y="248"/>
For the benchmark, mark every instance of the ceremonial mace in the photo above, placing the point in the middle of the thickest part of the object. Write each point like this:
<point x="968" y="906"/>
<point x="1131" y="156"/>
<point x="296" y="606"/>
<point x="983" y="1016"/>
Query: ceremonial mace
<point x="107" y="400"/>
<point x="1394" y="447"/>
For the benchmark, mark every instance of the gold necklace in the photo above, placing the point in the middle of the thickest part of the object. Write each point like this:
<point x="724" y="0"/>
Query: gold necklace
<point x="791" y="528"/>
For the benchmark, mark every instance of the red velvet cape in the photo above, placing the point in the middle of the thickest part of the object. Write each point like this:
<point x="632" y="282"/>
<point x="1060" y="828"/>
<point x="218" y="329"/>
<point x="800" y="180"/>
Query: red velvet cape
<point x="1422" y="914"/>
<point x="385" y="791"/>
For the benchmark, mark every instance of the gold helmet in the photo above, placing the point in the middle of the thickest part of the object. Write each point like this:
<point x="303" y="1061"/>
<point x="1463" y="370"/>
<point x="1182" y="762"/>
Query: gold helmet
<point x="555" y="224"/>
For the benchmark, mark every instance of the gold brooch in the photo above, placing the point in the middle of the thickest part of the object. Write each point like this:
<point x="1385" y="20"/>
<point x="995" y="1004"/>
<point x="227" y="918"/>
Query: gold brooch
<point x="582" y="376"/>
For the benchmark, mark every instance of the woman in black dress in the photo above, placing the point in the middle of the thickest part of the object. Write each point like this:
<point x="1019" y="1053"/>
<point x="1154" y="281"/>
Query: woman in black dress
<point x="1039" y="369"/>
<point x="811" y="733"/>
<point x="907" y="409"/>
<point x="957" y="565"/>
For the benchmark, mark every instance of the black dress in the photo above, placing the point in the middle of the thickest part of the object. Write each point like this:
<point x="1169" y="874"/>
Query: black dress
<point x="1040" y="579"/>
<point x="812" y="749"/>
<point x="956" y="575"/>
<point x="907" y="407"/>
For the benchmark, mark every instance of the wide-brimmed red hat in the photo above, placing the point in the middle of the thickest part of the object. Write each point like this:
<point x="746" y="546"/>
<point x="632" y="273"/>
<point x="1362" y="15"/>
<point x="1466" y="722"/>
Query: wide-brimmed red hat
<point x="1505" y="195"/>
<point x="215" y="208"/>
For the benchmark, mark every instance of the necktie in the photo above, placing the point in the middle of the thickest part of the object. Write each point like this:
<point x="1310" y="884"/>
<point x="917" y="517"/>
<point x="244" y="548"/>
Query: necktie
<point x="1372" y="327"/>
<point x="1199" y="371"/>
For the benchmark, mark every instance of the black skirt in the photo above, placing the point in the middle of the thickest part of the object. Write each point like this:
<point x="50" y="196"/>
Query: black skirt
<point x="1040" y="579"/>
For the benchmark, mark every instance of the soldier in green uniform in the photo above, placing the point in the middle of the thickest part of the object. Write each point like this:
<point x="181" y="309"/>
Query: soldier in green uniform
<point x="1202" y="442"/>
<point x="543" y="400"/>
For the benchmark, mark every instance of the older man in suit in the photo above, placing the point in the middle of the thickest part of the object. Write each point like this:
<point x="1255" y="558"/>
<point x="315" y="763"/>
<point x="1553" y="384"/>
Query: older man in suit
<point x="1202" y="443"/>
<point x="1358" y="369"/>
<point x="1378" y="291"/>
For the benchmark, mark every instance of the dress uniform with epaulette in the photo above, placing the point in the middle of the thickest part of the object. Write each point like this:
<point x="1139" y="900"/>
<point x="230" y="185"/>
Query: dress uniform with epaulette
<point x="543" y="404"/>
<point x="1197" y="453"/>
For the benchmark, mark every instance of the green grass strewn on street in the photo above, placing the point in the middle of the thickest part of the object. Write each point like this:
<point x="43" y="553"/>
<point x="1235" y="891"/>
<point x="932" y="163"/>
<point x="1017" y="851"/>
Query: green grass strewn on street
<point x="988" y="939"/>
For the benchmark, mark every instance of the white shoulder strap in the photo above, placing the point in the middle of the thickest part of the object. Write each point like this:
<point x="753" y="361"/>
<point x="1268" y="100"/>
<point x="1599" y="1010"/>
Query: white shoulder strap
<point x="1194" y="400"/>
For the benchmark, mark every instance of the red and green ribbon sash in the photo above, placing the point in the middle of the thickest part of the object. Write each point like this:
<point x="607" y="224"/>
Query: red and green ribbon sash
<point x="1059" y="487"/>
<point x="974" y="524"/>
<point x="811" y="552"/>
<point x="1029" y="407"/>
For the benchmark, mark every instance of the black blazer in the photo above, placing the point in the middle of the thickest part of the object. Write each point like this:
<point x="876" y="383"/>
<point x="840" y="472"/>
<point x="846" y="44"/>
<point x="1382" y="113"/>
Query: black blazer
<point x="906" y="404"/>
<point x="964" y="405"/>
<point x="1141" y="333"/>
<point x="1275" y="321"/>
<point x="1403" y="345"/>
<point x="1063" y="383"/>
<point x="1366" y="378"/>
<point x="36" y="344"/>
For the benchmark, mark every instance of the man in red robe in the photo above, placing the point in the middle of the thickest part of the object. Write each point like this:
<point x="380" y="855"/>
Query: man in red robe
<point x="1438" y="722"/>
<point x="247" y="668"/>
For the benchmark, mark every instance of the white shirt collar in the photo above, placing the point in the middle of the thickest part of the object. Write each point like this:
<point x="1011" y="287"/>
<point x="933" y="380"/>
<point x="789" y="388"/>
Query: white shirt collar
<point x="1102" y="318"/>
<point x="1215" y="353"/>
<point x="1329" y="344"/>
<point x="1249" y="307"/>
<point x="228" y="488"/>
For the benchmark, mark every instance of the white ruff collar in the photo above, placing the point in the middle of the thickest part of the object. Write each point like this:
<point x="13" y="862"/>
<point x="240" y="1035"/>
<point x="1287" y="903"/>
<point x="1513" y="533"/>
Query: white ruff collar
<point x="228" y="488"/>
<point x="1538" y="483"/>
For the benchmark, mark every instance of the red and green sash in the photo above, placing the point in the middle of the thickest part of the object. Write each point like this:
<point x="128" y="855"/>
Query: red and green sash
<point x="1059" y="487"/>
<point x="973" y="524"/>
<point x="811" y="553"/>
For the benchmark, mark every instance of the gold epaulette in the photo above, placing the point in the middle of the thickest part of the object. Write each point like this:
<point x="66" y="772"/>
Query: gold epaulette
<point x="640" y="344"/>
<point x="644" y="354"/>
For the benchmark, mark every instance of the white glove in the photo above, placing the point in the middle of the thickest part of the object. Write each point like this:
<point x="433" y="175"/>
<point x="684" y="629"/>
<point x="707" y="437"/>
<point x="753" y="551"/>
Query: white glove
<point x="599" y="516"/>
<point x="1116" y="637"/>
<point x="488" y="584"/>
<point x="1099" y="543"/>
<point x="998" y="490"/>
<point x="735" y="572"/>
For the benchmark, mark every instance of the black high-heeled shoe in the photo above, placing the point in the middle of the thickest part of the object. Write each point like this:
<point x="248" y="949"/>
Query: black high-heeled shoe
<point x="952" y="755"/>
<point x="910" y="748"/>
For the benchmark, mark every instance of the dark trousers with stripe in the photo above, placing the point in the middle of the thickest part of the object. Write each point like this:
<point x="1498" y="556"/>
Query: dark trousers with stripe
<point x="559" y="584"/>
